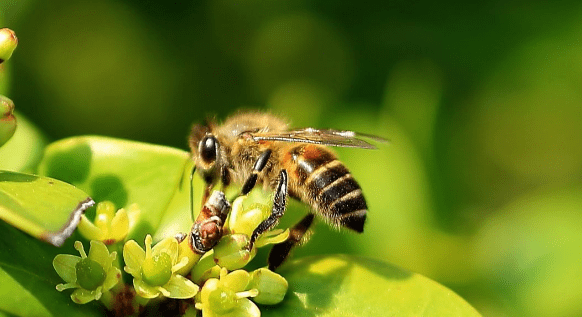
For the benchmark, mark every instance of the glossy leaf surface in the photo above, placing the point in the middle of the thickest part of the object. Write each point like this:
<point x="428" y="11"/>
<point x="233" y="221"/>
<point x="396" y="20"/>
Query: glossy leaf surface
<point x="46" y="208"/>
<point x="340" y="285"/>
<point x="125" y="172"/>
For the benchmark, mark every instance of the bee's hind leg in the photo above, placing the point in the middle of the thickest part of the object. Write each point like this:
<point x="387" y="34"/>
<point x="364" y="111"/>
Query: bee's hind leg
<point x="279" y="206"/>
<point x="280" y="251"/>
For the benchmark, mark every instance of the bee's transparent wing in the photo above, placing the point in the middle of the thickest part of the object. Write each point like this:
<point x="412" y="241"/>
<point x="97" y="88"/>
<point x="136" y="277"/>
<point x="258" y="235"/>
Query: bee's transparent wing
<point x="324" y="137"/>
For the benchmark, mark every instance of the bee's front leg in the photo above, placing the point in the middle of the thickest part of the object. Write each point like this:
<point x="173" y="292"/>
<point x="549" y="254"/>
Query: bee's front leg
<point x="279" y="206"/>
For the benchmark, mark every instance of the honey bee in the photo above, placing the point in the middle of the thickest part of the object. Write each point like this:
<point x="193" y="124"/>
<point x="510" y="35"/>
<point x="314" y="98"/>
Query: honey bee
<point x="251" y="148"/>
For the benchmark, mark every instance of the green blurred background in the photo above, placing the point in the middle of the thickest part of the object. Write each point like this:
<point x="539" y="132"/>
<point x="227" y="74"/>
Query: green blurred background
<point x="480" y="187"/>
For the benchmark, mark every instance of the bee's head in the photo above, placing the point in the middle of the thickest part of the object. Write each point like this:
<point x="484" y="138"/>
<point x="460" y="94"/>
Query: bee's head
<point x="205" y="152"/>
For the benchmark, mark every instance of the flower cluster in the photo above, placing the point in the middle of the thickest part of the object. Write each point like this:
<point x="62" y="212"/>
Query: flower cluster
<point x="171" y="269"/>
<point x="231" y="251"/>
<point x="228" y="295"/>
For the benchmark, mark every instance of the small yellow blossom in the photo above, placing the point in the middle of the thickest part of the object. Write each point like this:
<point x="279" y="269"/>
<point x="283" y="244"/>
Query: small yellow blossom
<point x="109" y="226"/>
<point x="91" y="275"/>
<point x="155" y="270"/>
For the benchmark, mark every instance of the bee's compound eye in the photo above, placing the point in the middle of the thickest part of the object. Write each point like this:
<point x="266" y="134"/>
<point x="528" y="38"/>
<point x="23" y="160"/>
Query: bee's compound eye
<point x="208" y="149"/>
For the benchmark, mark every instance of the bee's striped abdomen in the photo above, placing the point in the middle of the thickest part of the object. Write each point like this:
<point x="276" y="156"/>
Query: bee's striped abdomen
<point x="328" y="186"/>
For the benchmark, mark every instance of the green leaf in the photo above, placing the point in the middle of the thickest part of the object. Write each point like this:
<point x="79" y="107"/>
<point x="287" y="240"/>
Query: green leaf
<point x="340" y="285"/>
<point x="46" y="208"/>
<point x="28" y="279"/>
<point x="125" y="172"/>
<point x="25" y="304"/>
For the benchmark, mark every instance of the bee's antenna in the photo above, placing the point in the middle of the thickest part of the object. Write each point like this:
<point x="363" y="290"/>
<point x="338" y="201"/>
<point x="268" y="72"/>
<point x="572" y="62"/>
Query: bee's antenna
<point x="192" y="192"/>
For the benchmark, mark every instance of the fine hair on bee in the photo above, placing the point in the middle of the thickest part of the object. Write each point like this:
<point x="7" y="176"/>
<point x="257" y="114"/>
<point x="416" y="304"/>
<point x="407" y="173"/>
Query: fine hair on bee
<point x="253" y="148"/>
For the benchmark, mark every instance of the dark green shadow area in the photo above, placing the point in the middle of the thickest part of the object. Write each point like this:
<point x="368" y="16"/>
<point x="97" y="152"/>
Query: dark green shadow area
<point x="139" y="232"/>
<point x="109" y="187"/>
<point x="72" y="165"/>
<point x="6" y="314"/>
<point x="6" y="176"/>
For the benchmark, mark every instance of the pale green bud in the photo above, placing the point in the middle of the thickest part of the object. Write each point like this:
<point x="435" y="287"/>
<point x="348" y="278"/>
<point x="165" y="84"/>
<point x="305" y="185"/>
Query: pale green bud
<point x="272" y="287"/>
<point x="231" y="252"/>
<point x="8" y="42"/>
<point x="244" y="219"/>
<point x="205" y="269"/>
<point x="7" y="120"/>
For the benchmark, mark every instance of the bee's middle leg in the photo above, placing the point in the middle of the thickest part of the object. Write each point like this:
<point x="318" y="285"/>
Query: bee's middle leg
<point x="259" y="165"/>
<point x="279" y="206"/>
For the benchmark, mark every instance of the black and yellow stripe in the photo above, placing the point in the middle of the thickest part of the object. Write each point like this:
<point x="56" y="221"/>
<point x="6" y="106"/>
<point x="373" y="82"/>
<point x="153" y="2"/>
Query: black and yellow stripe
<point x="330" y="186"/>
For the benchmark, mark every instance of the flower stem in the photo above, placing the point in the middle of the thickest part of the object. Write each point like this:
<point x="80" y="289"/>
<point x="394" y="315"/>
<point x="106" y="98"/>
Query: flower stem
<point x="117" y="247"/>
<point x="107" y="298"/>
